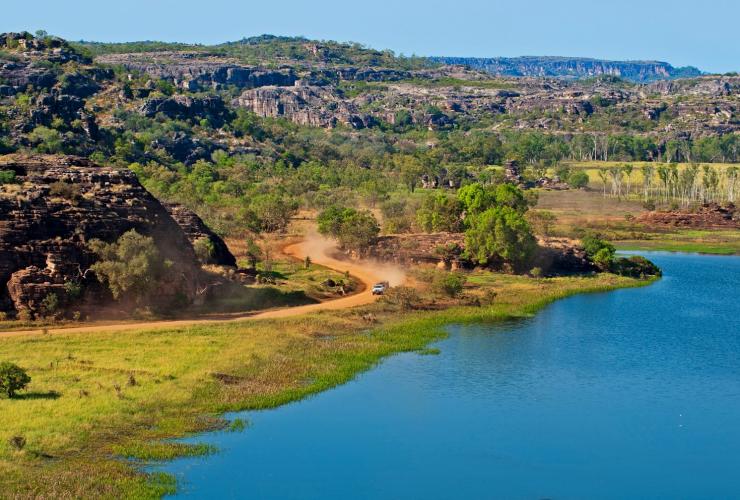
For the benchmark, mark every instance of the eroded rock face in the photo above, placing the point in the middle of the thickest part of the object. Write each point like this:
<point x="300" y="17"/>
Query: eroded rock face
<point x="195" y="229"/>
<point x="197" y="71"/>
<point x="44" y="237"/>
<point x="183" y="107"/>
<point x="303" y="104"/>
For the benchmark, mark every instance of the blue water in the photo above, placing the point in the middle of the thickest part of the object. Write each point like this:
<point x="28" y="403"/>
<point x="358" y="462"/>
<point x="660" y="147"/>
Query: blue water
<point x="633" y="393"/>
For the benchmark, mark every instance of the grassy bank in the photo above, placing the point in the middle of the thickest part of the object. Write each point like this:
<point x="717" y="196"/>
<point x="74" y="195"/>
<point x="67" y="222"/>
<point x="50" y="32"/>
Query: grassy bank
<point x="718" y="242"/>
<point x="98" y="397"/>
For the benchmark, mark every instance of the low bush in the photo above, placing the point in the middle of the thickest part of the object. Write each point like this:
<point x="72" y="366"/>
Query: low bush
<point x="404" y="297"/>
<point x="13" y="378"/>
<point x="449" y="284"/>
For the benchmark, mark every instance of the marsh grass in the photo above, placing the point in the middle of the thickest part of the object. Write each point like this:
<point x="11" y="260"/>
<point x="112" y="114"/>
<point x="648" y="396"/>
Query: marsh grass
<point x="186" y="378"/>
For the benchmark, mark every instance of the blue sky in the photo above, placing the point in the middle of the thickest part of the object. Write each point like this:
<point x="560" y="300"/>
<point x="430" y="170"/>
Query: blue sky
<point x="684" y="32"/>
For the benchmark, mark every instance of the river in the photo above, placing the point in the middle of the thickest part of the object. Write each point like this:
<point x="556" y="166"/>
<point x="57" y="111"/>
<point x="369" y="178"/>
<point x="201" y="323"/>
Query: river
<point x="632" y="393"/>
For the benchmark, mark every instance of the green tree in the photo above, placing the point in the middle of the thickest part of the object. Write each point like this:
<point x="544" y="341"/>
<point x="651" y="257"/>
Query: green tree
<point x="439" y="212"/>
<point x="131" y="266"/>
<point x="272" y="212"/>
<point x="355" y="230"/>
<point x="359" y="230"/>
<point x="449" y="284"/>
<point x="578" y="179"/>
<point x="13" y="378"/>
<point x="476" y="198"/>
<point x="204" y="249"/>
<point x="500" y="235"/>
<point x="46" y="140"/>
<point x="411" y="170"/>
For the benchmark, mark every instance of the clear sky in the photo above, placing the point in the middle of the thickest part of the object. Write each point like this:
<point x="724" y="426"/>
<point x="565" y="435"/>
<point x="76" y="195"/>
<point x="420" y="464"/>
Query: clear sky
<point x="704" y="33"/>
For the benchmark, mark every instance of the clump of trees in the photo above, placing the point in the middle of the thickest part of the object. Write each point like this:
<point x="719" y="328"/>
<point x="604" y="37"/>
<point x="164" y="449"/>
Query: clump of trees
<point x="13" y="378"/>
<point x="132" y="267"/>
<point x="666" y="183"/>
<point x="497" y="232"/>
<point x="440" y="212"/>
<point x="603" y="255"/>
<point x="353" y="229"/>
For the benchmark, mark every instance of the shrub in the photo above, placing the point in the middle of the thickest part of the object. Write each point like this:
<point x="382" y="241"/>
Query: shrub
<point x="204" y="249"/>
<point x="578" y="179"/>
<point x="489" y="297"/>
<point x="355" y="230"/>
<point x="449" y="284"/>
<point x="7" y="177"/>
<point x="593" y="244"/>
<point x="130" y="266"/>
<point x="17" y="443"/>
<point x="635" y="267"/>
<point x="402" y="296"/>
<point x="50" y="304"/>
<point x="603" y="259"/>
<point x="65" y="190"/>
<point x="649" y="205"/>
<point x="74" y="290"/>
<point x="13" y="378"/>
<point x="541" y="221"/>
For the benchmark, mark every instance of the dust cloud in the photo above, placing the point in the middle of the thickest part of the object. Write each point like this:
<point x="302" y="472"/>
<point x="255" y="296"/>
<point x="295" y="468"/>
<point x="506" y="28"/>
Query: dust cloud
<point x="322" y="250"/>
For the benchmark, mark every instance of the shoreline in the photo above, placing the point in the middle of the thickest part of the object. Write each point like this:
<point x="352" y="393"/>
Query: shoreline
<point x="203" y="408"/>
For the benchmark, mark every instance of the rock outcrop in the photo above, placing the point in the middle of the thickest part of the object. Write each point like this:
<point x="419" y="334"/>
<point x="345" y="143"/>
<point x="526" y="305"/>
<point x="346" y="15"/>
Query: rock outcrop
<point x="183" y="107"/>
<point x="554" y="256"/>
<point x="200" y="71"/>
<point x="303" y="104"/>
<point x="50" y="214"/>
<point x="709" y="215"/>
<point x="195" y="229"/>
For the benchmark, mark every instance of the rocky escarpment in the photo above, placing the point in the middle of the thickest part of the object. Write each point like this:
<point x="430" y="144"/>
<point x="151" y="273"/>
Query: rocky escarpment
<point x="305" y="105"/>
<point x="24" y="69"/>
<point x="573" y="67"/>
<point x="199" y="71"/>
<point x="48" y="217"/>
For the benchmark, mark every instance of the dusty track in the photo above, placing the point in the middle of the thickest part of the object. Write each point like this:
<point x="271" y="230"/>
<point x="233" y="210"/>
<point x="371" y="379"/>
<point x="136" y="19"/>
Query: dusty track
<point x="317" y="249"/>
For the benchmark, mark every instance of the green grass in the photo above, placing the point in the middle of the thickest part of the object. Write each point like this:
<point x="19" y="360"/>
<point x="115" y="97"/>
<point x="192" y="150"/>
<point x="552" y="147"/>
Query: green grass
<point x="96" y="397"/>
<point x="718" y="242"/>
<point x="580" y="211"/>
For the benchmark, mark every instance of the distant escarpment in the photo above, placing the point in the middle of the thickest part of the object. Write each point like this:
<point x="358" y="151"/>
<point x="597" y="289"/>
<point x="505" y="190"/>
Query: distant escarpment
<point x="52" y="210"/>
<point x="573" y="67"/>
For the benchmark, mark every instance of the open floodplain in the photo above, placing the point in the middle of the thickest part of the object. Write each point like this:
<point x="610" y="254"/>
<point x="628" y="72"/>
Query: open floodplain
<point x="634" y="392"/>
